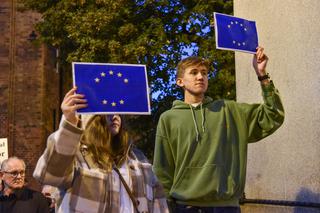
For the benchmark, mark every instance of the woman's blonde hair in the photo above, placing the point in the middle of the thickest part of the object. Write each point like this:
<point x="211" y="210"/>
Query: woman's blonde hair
<point x="105" y="148"/>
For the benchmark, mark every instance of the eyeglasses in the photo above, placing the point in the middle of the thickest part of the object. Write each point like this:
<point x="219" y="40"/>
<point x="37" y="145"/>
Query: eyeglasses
<point x="16" y="173"/>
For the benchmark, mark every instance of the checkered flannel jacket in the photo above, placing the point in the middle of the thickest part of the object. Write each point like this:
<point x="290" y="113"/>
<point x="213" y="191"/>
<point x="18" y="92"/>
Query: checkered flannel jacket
<point x="86" y="188"/>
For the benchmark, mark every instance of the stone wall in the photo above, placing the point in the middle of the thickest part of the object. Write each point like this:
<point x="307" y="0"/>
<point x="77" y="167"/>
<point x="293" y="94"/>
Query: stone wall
<point x="285" y="166"/>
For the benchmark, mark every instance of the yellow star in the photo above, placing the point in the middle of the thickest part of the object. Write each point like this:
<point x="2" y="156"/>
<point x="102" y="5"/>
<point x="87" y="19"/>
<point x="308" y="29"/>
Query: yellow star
<point x="126" y="80"/>
<point x="113" y="104"/>
<point x="103" y="74"/>
<point x="121" y="101"/>
<point x="97" y="80"/>
<point x="110" y="72"/>
<point x="119" y="74"/>
<point x="104" y="101"/>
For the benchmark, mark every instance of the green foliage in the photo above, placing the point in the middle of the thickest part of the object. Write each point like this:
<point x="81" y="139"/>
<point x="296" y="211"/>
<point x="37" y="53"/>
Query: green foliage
<point x="157" y="33"/>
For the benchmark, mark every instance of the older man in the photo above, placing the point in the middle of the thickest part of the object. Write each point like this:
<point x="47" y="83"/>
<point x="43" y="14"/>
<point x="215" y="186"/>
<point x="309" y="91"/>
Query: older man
<point x="15" y="197"/>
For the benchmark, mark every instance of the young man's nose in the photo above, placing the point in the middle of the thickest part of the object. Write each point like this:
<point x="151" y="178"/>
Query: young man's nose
<point x="199" y="75"/>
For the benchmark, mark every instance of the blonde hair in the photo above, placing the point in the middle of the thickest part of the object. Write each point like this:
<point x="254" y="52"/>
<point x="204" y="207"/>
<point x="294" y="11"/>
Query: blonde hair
<point x="105" y="148"/>
<point x="190" y="61"/>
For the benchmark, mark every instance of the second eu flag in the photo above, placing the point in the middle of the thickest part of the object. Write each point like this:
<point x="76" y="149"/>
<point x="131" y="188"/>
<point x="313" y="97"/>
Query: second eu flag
<point x="112" y="88"/>
<point x="234" y="33"/>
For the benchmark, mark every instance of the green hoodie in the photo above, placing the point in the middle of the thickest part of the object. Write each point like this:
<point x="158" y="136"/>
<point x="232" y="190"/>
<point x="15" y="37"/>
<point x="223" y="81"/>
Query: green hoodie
<point x="201" y="152"/>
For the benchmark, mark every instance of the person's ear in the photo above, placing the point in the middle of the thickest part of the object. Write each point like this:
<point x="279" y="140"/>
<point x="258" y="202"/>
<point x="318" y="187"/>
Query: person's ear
<point x="179" y="82"/>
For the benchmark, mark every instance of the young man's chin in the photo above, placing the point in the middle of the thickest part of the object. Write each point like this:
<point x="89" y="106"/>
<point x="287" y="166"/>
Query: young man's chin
<point x="199" y="93"/>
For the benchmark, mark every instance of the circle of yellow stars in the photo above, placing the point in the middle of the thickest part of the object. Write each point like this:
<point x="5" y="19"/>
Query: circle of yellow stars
<point x="103" y="74"/>
<point x="236" y="23"/>
<point x="119" y="75"/>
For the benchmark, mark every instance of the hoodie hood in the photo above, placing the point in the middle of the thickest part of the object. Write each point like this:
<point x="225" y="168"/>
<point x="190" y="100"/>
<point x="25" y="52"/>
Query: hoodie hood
<point x="182" y="105"/>
<point x="178" y="104"/>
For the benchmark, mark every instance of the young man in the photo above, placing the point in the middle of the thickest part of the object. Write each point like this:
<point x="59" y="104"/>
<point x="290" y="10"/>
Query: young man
<point x="201" y="144"/>
<point x="15" y="197"/>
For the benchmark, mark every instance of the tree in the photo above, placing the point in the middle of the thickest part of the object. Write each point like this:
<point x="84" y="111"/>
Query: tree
<point x="157" y="33"/>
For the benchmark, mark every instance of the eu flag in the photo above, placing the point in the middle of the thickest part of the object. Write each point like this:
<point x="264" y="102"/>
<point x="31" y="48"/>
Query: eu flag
<point x="234" y="33"/>
<point x="112" y="88"/>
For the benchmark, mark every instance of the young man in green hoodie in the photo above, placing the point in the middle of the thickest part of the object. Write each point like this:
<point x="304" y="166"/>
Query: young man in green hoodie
<point x="201" y="145"/>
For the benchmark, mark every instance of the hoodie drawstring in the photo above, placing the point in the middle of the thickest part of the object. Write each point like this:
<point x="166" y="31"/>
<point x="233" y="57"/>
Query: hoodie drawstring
<point x="202" y="116"/>
<point x="195" y="122"/>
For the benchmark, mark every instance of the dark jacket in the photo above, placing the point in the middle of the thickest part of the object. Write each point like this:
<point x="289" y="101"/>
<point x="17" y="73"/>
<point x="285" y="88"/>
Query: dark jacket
<point x="24" y="200"/>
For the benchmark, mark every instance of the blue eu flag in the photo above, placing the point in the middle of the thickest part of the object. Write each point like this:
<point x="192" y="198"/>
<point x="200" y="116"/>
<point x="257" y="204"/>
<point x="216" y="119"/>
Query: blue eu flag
<point x="112" y="88"/>
<point x="234" y="33"/>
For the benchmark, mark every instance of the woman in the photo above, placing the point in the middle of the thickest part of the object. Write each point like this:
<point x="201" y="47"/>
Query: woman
<point x="92" y="163"/>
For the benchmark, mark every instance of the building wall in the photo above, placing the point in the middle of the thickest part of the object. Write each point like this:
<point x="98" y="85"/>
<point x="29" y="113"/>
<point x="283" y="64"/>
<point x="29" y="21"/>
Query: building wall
<point x="285" y="166"/>
<point x="5" y="67"/>
<point x="29" y="99"/>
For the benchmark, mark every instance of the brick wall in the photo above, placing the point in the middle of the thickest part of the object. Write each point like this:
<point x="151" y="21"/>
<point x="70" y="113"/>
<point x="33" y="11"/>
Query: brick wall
<point x="29" y="87"/>
<point x="4" y="66"/>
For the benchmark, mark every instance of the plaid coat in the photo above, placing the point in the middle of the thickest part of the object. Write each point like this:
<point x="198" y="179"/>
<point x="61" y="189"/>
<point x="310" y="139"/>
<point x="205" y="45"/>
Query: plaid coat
<point x="84" y="187"/>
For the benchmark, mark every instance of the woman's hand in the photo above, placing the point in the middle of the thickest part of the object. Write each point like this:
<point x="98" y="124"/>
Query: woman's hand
<point x="71" y="103"/>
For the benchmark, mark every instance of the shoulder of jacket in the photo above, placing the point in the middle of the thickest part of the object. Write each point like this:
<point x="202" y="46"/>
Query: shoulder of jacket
<point x="138" y="154"/>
